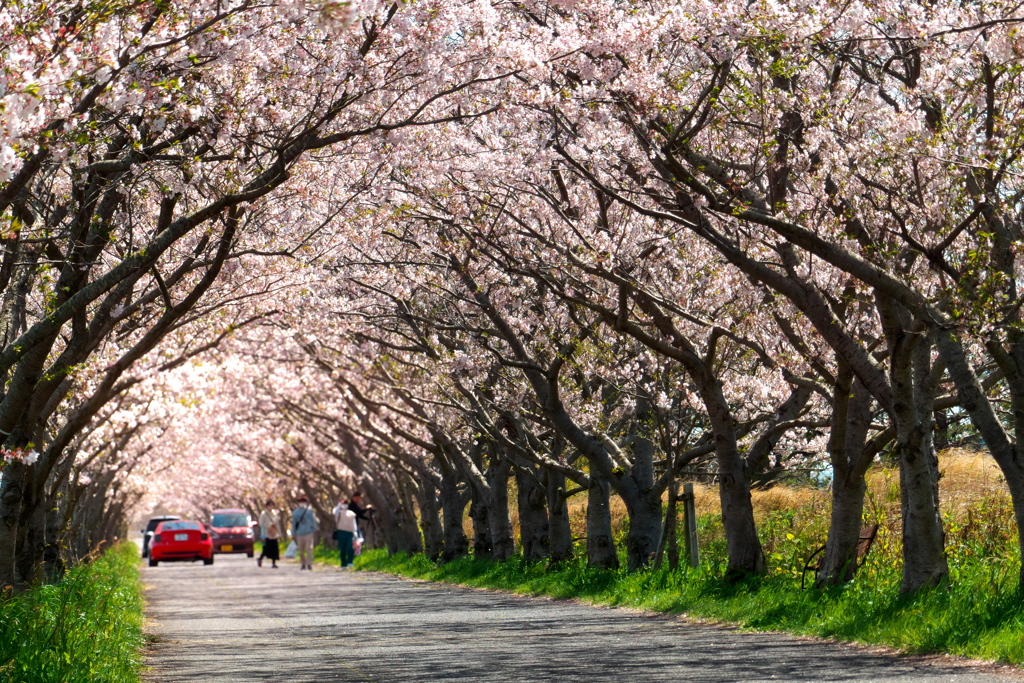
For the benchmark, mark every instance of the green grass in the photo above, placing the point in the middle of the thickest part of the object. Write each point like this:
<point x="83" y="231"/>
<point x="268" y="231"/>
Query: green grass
<point x="86" y="628"/>
<point x="980" y="615"/>
<point x="321" y="553"/>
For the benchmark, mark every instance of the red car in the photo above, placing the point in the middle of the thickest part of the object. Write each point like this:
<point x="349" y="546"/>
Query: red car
<point x="180" y="540"/>
<point x="232" y="532"/>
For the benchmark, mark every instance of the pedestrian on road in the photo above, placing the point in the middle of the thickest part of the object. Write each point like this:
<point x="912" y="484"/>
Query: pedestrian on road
<point x="345" y="528"/>
<point x="356" y="506"/>
<point x="270" y="530"/>
<point x="363" y="514"/>
<point x="304" y="526"/>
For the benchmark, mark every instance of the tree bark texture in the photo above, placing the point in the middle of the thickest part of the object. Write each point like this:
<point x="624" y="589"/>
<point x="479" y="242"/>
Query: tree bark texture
<point x="534" y="529"/>
<point x="643" y="505"/>
<point x="559" y="529"/>
<point x="498" y="517"/>
<point x="645" y="522"/>
<point x="407" y="531"/>
<point x="430" y="520"/>
<point x="850" y="458"/>
<point x="924" y="555"/>
<point x="479" y="514"/>
<point x="453" y="504"/>
<point x="600" y="544"/>
<point x="11" y="493"/>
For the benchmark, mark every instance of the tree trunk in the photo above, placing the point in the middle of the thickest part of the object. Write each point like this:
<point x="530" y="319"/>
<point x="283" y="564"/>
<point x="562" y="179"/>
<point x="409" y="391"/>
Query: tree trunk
<point x="534" y="531"/>
<point x="643" y="508"/>
<point x="408" y="539"/>
<point x="453" y="503"/>
<point x="600" y="545"/>
<point x="11" y="493"/>
<point x="645" y="523"/>
<point x="53" y="560"/>
<point x="941" y="419"/>
<point x="559" y="529"/>
<point x="744" y="548"/>
<point x="408" y="531"/>
<point x="498" y="518"/>
<point x="851" y="458"/>
<point x="430" y="520"/>
<point x="32" y="542"/>
<point x="672" y="535"/>
<point x="839" y="563"/>
<point x="746" y="556"/>
<point x="924" y="555"/>
<point x="483" y="547"/>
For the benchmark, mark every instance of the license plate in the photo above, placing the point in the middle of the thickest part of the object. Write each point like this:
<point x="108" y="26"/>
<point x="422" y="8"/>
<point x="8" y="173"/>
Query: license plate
<point x="180" y="537"/>
<point x="227" y="548"/>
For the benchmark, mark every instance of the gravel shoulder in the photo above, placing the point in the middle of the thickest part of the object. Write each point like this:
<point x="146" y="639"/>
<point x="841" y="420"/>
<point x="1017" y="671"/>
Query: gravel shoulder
<point x="235" y="622"/>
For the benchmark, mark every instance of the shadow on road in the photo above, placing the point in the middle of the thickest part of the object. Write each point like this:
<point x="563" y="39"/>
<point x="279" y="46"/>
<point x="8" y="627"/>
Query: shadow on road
<point x="234" y="622"/>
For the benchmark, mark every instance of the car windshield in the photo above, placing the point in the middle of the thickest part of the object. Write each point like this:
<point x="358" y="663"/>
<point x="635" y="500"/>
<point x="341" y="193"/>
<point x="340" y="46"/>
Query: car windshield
<point x="180" y="526"/>
<point x="225" y="519"/>
<point x="154" y="523"/>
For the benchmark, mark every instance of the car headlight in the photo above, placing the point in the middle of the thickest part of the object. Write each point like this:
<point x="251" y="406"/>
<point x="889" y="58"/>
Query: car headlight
<point x="249" y="534"/>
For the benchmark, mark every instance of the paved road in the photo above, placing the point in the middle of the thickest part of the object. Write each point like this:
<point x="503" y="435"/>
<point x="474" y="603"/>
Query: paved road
<point x="234" y="622"/>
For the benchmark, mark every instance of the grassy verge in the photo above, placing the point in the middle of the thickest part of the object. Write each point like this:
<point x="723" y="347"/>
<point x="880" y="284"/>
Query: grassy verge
<point x="325" y="555"/>
<point x="86" y="628"/>
<point x="981" y="613"/>
<point x="979" y="616"/>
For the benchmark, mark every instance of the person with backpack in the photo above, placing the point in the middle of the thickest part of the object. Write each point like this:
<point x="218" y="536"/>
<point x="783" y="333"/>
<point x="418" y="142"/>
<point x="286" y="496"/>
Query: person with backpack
<point x="304" y="526"/>
<point x="345" y="532"/>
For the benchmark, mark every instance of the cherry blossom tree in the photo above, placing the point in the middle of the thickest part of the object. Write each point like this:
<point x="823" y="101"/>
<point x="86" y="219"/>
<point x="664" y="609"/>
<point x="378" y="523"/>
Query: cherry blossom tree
<point x="142" y="143"/>
<point x="809" y="148"/>
<point x="432" y="247"/>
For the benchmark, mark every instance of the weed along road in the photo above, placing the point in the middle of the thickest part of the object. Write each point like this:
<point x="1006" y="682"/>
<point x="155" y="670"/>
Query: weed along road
<point x="235" y="622"/>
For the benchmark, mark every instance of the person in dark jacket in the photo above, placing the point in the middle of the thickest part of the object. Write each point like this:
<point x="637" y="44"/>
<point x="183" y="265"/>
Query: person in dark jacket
<point x="363" y="513"/>
<point x="355" y="504"/>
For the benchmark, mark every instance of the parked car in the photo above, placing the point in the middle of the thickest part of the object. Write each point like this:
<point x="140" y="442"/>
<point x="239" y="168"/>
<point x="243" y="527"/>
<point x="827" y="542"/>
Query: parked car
<point x="147" y="533"/>
<point x="232" y="531"/>
<point x="180" y="540"/>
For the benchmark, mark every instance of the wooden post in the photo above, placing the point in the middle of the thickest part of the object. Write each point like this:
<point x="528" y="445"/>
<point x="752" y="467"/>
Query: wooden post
<point x="690" y="515"/>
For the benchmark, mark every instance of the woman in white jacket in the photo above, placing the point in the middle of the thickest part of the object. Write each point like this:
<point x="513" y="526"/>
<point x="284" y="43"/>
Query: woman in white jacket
<point x="345" y="531"/>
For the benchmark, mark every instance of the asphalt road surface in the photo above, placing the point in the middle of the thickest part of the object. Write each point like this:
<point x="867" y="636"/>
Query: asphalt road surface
<point x="235" y="622"/>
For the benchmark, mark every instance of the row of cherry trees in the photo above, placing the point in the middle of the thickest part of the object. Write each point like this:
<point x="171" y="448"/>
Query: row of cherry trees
<point x="587" y="245"/>
<point x="151" y="162"/>
<point x="692" y="236"/>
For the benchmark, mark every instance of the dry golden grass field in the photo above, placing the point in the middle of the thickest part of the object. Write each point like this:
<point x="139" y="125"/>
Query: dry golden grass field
<point x="793" y="521"/>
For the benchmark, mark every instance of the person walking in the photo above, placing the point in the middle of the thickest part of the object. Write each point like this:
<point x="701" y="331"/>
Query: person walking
<point x="270" y="530"/>
<point x="304" y="526"/>
<point x="345" y="529"/>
